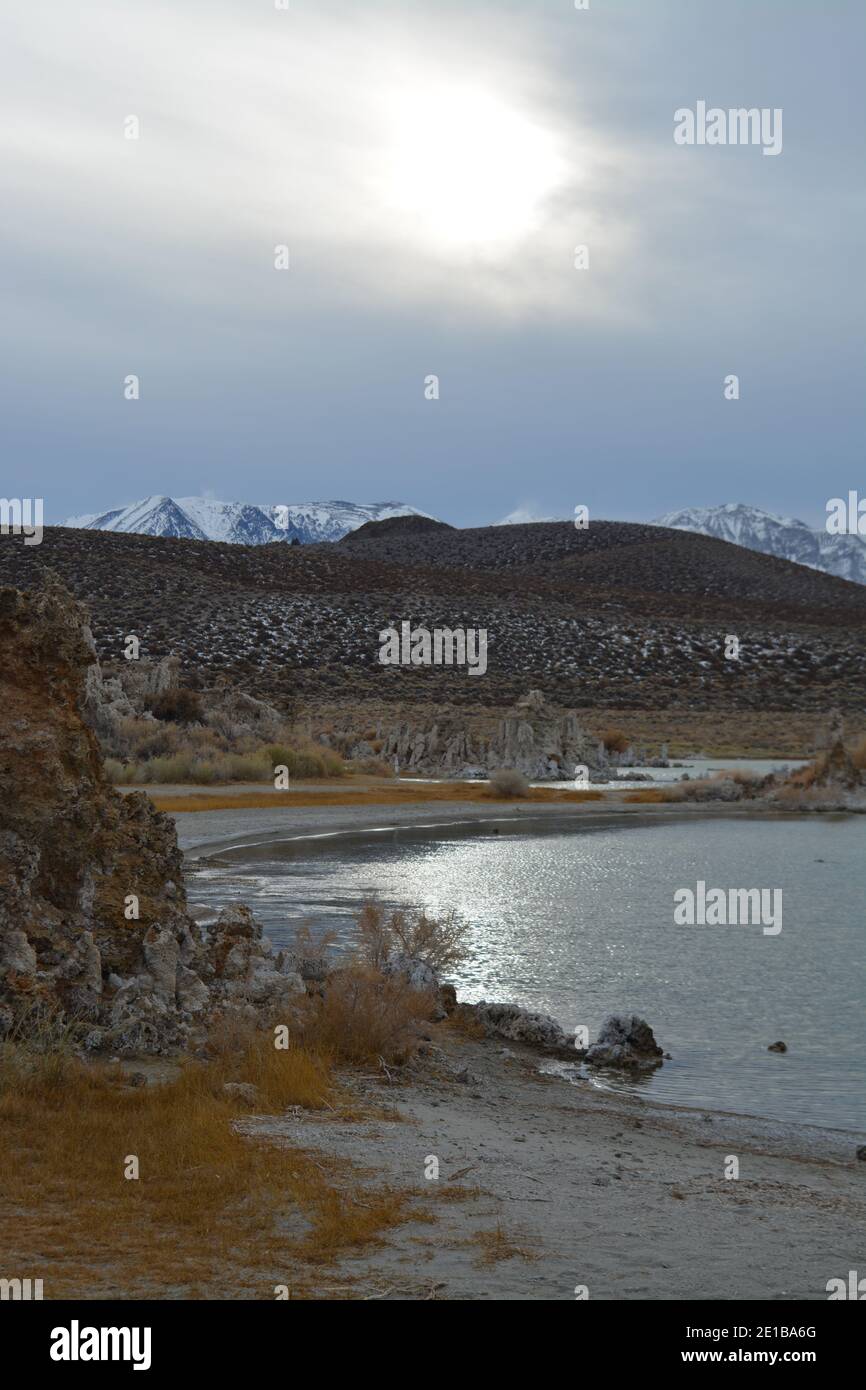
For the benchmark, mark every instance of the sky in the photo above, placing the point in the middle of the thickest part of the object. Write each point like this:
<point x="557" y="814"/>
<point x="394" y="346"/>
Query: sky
<point x="430" y="169"/>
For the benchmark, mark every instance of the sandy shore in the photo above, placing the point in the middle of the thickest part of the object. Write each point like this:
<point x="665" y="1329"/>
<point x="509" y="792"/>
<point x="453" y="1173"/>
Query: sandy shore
<point x="202" y="833"/>
<point x="545" y="1185"/>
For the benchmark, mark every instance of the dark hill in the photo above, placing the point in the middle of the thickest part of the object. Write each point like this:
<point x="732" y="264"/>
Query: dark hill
<point x="619" y="615"/>
<point x="395" y="526"/>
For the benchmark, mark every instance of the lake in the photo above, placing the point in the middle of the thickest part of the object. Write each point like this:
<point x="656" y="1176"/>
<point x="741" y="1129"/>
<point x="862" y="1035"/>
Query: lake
<point x="578" y="922"/>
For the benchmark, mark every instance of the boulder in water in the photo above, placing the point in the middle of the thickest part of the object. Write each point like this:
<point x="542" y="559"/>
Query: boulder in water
<point x="625" y="1040"/>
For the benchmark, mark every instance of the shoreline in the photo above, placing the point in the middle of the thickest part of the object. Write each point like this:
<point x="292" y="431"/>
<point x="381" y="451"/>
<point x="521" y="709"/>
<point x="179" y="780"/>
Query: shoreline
<point x="211" y="835"/>
<point x="203" y="832"/>
<point x="544" y="1186"/>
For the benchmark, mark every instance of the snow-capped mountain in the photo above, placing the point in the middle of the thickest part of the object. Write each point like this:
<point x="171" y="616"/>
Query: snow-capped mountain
<point x="240" y="523"/>
<point x="775" y="535"/>
<point x="522" y="515"/>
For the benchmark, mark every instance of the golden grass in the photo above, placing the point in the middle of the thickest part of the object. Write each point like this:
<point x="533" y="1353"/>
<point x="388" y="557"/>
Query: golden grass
<point x="494" y="1246"/>
<point x="452" y="1194"/>
<point x="212" y="1214"/>
<point x="396" y="794"/>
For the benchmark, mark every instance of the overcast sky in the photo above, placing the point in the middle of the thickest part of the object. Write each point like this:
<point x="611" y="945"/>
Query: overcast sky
<point x="431" y="168"/>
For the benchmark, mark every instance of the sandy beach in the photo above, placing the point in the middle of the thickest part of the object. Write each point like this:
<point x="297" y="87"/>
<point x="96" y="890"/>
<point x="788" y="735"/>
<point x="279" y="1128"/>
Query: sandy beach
<point x="545" y="1186"/>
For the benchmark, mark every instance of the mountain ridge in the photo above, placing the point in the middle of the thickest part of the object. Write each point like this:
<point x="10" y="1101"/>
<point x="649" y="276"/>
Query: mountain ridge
<point x="309" y="523"/>
<point x="785" y="537"/>
<point x="239" y="523"/>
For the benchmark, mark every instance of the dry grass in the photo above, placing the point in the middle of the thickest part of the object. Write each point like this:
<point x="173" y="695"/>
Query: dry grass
<point x="212" y="1214"/>
<point x="201" y="765"/>
<point x="722" y="786"/>
<point x="717" y="733"/>
<point x="452" y="1194"/>
<point x="494" y="1246"/>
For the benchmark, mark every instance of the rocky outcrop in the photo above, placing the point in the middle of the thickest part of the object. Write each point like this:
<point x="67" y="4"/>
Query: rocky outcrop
<point x="110" y="700"/>
<point x="417" y="973"/>
<point x="243" y="968"/>
<point x="625" y="1040"/>
<point x="520" y="1025"/>
<point x="233" y="713"/>
<point x="93" y="919"/>
<point x="835" y="767"/>
<point x="536" y="740"/>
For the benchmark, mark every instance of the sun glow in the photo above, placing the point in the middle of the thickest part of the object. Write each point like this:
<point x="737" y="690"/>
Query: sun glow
<point x="466" y="168"/>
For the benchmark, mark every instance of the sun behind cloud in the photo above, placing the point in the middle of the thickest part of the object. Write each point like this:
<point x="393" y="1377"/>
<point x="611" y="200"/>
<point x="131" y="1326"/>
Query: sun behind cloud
<point x="466" y="167"/>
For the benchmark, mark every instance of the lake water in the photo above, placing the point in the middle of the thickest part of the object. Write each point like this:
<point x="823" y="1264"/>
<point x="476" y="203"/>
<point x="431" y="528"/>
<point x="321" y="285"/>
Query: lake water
<point x="693" y="767"/>
<point x="637" y="776"/>
<point x="579" y="923"/>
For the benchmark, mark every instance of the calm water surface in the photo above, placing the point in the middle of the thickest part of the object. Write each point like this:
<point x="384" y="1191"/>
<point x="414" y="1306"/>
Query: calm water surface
<point x="579" y="923"/>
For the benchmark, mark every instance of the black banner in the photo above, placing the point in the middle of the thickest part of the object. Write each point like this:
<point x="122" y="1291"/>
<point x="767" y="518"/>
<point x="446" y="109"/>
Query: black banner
<point x="152" y="1338"/>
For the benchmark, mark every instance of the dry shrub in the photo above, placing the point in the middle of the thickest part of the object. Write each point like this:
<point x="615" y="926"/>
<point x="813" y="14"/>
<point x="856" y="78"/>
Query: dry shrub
<point x="311" y="951"/>
<point x="749" y="781"/>
<point x="808" y="775"/>
<point x="721" y="788"/>
<point x="363" y="1016"/>
<point x="506" y="783"/>
<point x="128" y="736"/>
<point x="371" y="767"/>
<point x="439" y="942"/>
<point x="116" y="773"/>
<point x="816" y="770"/>
<point x="179" y="706"/>
<point x="305" y="759"/>
<point x="194" y="760"/>
<point x="614" y="740"/>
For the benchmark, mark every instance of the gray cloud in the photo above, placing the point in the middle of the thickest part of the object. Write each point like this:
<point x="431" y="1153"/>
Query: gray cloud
<point x="431" y="170"/>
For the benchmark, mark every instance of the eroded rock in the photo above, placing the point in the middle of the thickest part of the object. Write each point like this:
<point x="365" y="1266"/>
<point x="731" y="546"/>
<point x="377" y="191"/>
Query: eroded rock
<point x="540" y="742"/>
<point x="520" y="1025"/>
<point x="625" y="1040"/>
<point x="93" y="917"/>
